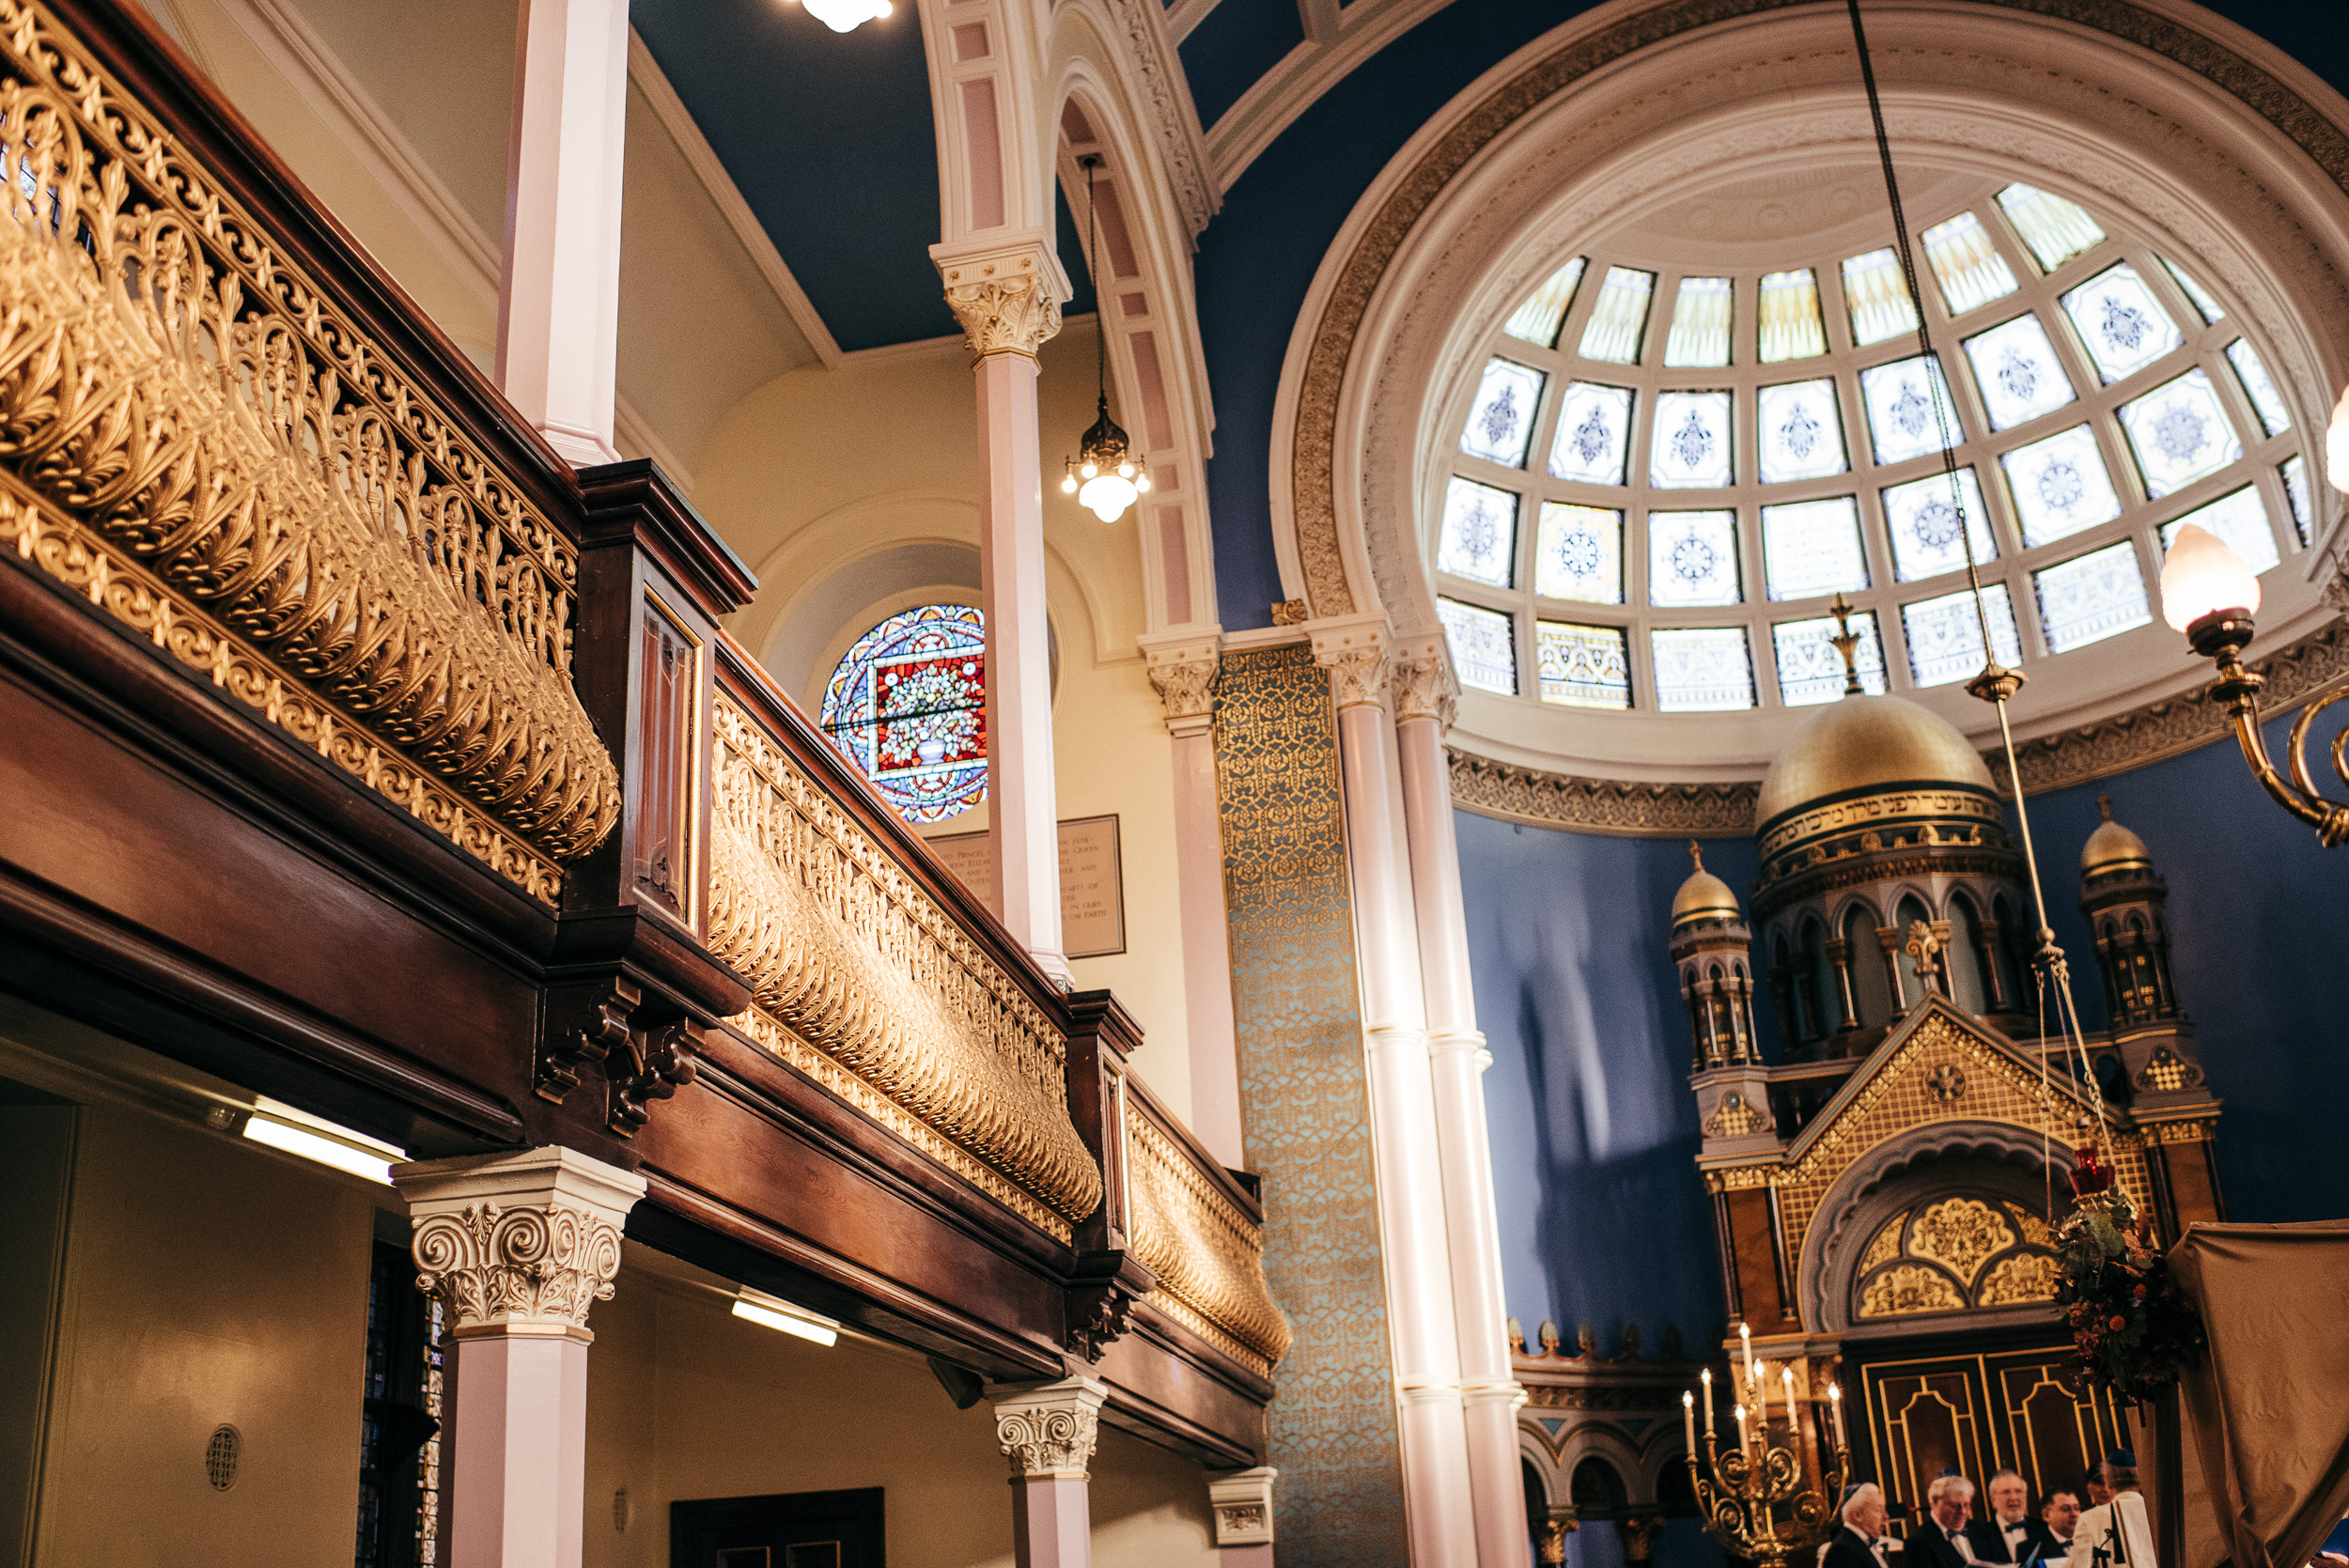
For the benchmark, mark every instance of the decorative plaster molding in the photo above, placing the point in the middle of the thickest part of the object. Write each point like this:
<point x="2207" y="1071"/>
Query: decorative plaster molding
<point x="1048" y="1430"/>
<point x="1353" y="649"/>
<point x="1242" y="1500"/>
<point x="1140" y="26"/>
<point x="1007" y="296"/>
<point x="1602" y="805"/>
<point x="518" y="1243"/>
<point x="1425" y="687"/>
<point x="1183" y="669"/>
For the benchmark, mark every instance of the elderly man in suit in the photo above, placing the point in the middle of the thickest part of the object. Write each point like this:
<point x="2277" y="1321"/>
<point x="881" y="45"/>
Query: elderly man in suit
<point x="1860" y="1544"/>
<point x="2005" y="1535"/>
<point x="1938" y="1540"/>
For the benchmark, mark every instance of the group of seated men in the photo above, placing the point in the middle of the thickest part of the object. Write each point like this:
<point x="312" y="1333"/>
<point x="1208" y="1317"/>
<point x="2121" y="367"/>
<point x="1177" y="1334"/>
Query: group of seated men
<point x="1949" y="1536"/>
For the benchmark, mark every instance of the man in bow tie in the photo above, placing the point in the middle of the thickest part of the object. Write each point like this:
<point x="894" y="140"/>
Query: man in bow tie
<point x="2006" y="1536"/>
<point x="2051" y="1532"/>
<point x="1938" y="1540"/>
<point x="1861" y="1542"/>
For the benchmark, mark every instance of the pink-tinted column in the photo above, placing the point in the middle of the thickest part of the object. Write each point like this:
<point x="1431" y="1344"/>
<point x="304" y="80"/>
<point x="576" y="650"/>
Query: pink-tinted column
<point x="1047" y="1430"/>
<point x="1008" y="299"/>
<point x="518" y="1247"/>
<point x="559" y="302"/>
<point x="1411" y="1222"/>
<point x="1457" y="1057"/>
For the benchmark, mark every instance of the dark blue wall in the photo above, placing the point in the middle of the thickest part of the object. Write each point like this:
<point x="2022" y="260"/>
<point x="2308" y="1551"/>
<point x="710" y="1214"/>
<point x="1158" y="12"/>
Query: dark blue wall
<point x="1602" y="1218"/>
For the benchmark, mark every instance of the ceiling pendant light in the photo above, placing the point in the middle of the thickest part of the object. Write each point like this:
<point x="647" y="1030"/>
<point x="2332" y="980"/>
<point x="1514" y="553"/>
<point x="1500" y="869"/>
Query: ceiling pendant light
<point x="1105" y="461"/>
<point x="845" y="16"/>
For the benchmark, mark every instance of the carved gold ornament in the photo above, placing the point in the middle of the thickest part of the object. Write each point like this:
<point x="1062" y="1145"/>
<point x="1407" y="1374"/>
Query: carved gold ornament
<point x="494" y="1267"/>
<point x="1908" y="1291"/>
<point x="848" y="958"/>
<point x="2019" y="1281"/>
<point x="1209" y="1257"/>
<point x="191" y="433"/>
<point x="1961" y="1234"/>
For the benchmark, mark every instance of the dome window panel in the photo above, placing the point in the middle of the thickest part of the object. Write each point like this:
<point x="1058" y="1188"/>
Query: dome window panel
<point x="1922" y="518"/>
<point x="1501" y="423"/>
<point x="1876" y="297"/>
<point x="1480" y="534"/>
<point x="2120" y="324"/>
<point x="1579" y="553"/>
<point x="2179" y="433"/>
<point x="1811" y="670"/>
<point x="1594" y="434"/>
<point x="1690" y="448"/>
<point x="2274" y="417"/>
<point x="1811" y="548"/>
<point x="1705" y="669"/>
<point x="1692" y="559"/>
<point x="1698" y="338"/>
<point x="1966" y="264"/>
<point x="2018" y="372"/>
<point x="1484" y="645"/>
<point x="1910" y="412"/>
<point x="2239" y="518"/>
<point x="2060" y="486"/>
<point x="1538" y="318"/>
<point x="1803" y="432"/>
<point x="2092" y="597"/>
<point x="1583" y="666"/>
<point x="2208" y="308"/>
<point x="2295" y="473"/>
<point x="2056" y="230"/>
<point x="1792" y="327"/>
<point x="1619" y="319"/>
<point x="1944" y="634"/>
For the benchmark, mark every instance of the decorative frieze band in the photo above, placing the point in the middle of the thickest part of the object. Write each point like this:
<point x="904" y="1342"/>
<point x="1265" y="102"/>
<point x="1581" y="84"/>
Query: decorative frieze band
<point x="1602" y="805"/>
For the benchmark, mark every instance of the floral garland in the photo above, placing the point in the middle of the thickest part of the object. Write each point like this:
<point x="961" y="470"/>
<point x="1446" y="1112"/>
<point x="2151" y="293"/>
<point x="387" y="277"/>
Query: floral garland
<point x="2133" y="1330"/>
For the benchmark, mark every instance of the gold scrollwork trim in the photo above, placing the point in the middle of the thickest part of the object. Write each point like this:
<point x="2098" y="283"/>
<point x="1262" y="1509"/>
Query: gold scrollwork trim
<point x="1897" y="805"/>
<point x="1208" y="1256"/>
<point x="174" y="384"/>
<point x="847" y="954"/>
<point x="1601" y="805"/>
<point x="76" y="557"/>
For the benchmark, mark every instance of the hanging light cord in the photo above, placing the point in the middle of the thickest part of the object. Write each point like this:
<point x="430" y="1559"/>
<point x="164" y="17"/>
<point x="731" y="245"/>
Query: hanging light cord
<point x="1996" y="683"/>
<point x="1093" y="268"/>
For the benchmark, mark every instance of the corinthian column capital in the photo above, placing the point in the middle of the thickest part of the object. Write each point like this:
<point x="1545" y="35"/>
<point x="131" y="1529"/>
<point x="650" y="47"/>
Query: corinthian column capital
<point x="1183" y="672"/>
<point x="1006" y="293"/>
<point x="1354" y="649"/>
<point x="1048" y="1430"/>
<point x="1425" y="687"/>
<point x="518" y="1244"/>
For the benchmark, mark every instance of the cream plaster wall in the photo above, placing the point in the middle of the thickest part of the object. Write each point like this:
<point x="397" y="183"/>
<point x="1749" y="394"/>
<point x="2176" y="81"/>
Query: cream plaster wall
<point x="687" y="1401"/>
<point x="820" y="470"/>
<point x="206" y="1281"/>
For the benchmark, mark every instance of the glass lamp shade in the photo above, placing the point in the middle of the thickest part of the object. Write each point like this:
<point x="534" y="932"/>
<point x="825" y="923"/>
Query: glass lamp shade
<point x="845" y="16"/>
<point x="1108" y="495"/>
<point x="2203" y="576"/>
<point x="2337" y="446"/>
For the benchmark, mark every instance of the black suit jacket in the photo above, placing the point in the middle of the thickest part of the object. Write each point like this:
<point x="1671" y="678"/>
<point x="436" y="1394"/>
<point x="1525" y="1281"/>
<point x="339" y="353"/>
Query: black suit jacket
<point x="2042" y="1543"/>
<point x="1928" y="1548"/>
<point x="1989" y="1540"/>
<point x="1846" y="1549"/>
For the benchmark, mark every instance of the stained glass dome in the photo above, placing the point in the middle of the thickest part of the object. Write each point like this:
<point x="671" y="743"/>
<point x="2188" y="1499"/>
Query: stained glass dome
<point x="1664" y="477"/>
<point x="908" y="705"/>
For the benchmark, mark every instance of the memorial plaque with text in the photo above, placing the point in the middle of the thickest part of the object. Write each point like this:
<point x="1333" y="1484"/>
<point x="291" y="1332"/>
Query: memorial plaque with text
<point x="1092" y="882"/>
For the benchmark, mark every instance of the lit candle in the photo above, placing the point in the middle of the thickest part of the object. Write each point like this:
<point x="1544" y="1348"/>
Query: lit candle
<point x="1708" y="1402"/>
<point x="1745" y="1336"/>
<point x="1741" y="1413"/>
<point x="1790" y="1423"/>
<point x="1835" y="1403"/>
<point x="1688" y="1420"/>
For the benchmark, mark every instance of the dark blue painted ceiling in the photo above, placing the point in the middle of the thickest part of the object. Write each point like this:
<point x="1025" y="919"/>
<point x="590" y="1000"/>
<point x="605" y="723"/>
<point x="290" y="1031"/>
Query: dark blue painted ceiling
<point x="1235" y="44"/>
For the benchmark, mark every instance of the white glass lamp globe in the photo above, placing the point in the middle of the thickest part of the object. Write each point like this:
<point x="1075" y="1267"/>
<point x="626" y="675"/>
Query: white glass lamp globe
<point x="1108" y="495"/>
<point x="2203" y="576"/>
<point x="845" y="16"/>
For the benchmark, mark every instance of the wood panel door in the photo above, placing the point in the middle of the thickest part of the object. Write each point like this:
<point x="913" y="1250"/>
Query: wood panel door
<point x="1978" y="1414"/>
<point x="784" y="1529"/>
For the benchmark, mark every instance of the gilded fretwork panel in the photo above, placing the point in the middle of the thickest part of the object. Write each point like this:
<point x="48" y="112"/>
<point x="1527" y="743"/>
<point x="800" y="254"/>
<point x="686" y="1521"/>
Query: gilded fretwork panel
<point x="1306" y="1109"/>
<point x="1941" y="1074"/>
<point x="861" y="980"/>
<point x="194" y="437"/>
<point x="1953" y="1254"/>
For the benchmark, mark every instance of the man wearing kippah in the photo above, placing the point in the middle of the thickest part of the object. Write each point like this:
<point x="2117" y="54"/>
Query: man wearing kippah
<point x="2119" y="1532"/>
<point x="1861" y="1542"/>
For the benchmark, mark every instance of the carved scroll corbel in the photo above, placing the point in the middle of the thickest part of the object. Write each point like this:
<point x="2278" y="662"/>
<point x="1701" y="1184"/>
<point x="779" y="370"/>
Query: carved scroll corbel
<point x="1101" y="1297"/>
<point x="657" y="1063"/>
<point x="583" y="1024"/>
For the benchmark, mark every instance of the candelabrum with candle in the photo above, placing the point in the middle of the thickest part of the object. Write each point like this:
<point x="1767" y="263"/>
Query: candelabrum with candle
<point x="1762" y="1500"/>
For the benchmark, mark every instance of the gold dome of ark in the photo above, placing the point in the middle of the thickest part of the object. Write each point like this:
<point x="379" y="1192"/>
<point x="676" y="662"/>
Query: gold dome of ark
<point x="2113" y="847"/>
<point x="1703" y="895"/>
<point x="1861" y="742"/>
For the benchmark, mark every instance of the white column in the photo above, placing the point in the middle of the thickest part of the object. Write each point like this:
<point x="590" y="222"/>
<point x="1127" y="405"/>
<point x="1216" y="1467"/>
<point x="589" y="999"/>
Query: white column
<point x="559" y="302"/>
<point x="518" y="1247"/>
<point x="1425" y="694"/>
<point x="1426" y="1344"/>
<point x="1007" y="297"/>
<point x="1242" y="1500"/>
<point x="1183" y="669"/>
<point x="1047" y="1430"/>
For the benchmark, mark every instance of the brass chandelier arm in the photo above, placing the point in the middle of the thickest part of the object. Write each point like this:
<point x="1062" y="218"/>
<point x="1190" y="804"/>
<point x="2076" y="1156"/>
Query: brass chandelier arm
<point x="2299" y="793"/>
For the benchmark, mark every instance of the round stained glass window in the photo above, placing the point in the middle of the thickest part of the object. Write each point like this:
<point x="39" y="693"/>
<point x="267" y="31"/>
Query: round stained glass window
<point x="908" y="705"/>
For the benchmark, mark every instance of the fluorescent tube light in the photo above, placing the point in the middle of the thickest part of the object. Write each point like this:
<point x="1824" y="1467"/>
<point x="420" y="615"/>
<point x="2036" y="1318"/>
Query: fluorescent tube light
<point x="313" y="1138"/>
<point x="785" y="1317"/>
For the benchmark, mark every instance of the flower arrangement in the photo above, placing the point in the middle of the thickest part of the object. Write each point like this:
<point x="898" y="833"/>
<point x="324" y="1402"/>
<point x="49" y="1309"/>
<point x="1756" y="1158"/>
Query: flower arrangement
<point x="2133" y="1331"/>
